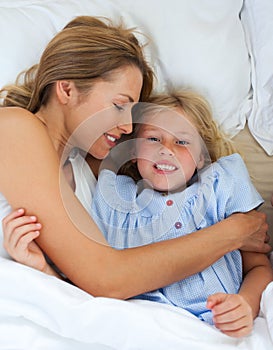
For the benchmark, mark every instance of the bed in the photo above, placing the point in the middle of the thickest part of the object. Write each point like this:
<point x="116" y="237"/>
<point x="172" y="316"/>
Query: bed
<point x="223" y="49"/>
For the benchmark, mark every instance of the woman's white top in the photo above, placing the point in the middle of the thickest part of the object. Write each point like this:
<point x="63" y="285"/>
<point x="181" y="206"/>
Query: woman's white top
<point x="85" y="183"/>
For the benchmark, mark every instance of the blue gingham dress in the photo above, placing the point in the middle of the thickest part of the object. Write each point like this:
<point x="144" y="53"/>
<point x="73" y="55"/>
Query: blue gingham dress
<point x="130" y="219"/>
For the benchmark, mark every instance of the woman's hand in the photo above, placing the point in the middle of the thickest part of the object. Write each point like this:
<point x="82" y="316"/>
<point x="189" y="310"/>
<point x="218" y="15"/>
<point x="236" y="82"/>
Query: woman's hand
<point x="20" y="232"/>
<point x="232" y="314"/>
<point x="253" y="230"/>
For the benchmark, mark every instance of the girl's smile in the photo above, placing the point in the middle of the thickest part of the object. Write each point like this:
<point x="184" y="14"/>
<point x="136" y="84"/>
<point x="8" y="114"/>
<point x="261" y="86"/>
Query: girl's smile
<point x="164" y="167"/>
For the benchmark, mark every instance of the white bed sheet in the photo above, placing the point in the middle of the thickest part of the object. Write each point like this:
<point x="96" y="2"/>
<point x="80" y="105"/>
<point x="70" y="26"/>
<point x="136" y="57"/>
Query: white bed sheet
<point x="40" y="312"/>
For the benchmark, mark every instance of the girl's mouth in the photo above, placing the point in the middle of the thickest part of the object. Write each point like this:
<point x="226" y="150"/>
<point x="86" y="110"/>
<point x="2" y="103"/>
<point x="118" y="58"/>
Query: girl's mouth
<point x="165" y="167"/>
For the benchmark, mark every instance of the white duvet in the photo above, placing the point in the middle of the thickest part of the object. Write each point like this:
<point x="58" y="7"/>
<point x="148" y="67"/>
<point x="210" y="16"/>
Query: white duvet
<point x="40" y="312"/>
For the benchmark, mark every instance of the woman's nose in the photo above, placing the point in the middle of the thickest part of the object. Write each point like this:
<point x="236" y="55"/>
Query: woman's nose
<point x="126" y="128"/>
<point x="125" y="123"/>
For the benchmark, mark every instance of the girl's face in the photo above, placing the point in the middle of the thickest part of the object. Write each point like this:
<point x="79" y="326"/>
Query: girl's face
<point x="168" y="150"/>
<point x="97" y="122"/>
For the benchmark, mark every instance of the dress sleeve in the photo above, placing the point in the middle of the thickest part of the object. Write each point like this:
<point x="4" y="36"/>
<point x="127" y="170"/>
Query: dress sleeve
<point x="233" y="187"/>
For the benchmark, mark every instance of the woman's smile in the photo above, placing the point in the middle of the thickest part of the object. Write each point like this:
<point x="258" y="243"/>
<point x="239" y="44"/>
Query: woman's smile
<point x="111" y="139"/>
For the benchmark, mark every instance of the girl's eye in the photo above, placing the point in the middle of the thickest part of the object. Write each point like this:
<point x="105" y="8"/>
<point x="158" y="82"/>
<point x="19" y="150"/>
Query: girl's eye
<point x="119" y="107"/>
<point x="183" y="142"/>
<point x="153" y="139"/>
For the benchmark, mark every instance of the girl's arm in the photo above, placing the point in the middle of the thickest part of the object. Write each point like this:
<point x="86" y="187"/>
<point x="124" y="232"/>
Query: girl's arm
<point x="234" y="314"/>
<point x="31" y="178"/>
<point x="258" y="273"/>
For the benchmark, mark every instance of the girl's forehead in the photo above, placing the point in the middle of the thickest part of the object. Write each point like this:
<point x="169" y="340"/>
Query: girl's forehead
<point x="170" y="120"/>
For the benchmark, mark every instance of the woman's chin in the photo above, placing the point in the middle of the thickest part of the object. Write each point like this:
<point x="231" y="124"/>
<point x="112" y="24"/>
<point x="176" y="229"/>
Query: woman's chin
<point x="99" y="155"/>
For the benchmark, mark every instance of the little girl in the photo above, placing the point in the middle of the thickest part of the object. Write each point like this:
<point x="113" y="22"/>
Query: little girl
<point x="183" y="175"/>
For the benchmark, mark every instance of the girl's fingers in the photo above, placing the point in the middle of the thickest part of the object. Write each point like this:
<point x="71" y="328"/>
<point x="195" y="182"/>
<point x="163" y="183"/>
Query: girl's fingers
<point x="215" y="299"/>
<point x="16" y="235"/>
<point x="233" y="310"/>
<point x="231" y="314"/>
<point x="239" y="333"/>
<point x="25" y="240"/>
<point x="14" y="214"/>
<point x="243" y="321"/>
<point x="16" y="224"/>
<point x="227" y="303"/>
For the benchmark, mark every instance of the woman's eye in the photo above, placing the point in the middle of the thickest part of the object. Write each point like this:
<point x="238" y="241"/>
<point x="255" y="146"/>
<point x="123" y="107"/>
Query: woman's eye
<point x="118" y="106"/>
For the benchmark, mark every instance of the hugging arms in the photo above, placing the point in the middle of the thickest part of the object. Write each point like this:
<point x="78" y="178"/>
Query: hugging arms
<point x="40" y="124"/>
<point x="164" y="153"/>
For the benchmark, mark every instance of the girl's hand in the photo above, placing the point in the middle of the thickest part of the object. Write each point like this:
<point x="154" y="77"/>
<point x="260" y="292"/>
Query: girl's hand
<point x="232" y="314"/>
<point x="20" y="232"/>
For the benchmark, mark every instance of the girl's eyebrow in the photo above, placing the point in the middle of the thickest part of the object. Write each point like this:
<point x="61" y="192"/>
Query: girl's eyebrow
<point x="151" y="128"/>
<point x="183" y="133"/>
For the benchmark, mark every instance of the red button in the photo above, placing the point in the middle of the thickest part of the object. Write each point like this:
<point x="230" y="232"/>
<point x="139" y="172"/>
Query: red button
<point x="178" y="225"/>
<point x="169" y="202"/>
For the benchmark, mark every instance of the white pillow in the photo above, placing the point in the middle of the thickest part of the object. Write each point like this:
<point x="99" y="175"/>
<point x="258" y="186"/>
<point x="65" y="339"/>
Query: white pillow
<point x="28" y="25"/>
<point x="257" y="18"/>
<point x="197" y="43"/>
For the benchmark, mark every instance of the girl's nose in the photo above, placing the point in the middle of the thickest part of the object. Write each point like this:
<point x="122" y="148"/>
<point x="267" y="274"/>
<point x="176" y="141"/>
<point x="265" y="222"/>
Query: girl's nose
<point x="165" y="150"/>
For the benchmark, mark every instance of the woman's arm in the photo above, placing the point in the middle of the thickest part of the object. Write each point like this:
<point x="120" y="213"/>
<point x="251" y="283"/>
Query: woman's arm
<point x="20" y="232"/>
<point x="30" y="178"/>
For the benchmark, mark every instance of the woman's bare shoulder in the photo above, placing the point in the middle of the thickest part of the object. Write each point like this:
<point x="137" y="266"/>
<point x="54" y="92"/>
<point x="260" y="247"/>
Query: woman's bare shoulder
<point x="16" y="116"/>
<point x="20" y="126"/>
<point x="24" y="141"/>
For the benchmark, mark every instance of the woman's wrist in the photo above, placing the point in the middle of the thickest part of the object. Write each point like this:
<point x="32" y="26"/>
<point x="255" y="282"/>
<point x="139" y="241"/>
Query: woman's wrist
<point x="248" y="231"/>
<point x="230" y="233"/>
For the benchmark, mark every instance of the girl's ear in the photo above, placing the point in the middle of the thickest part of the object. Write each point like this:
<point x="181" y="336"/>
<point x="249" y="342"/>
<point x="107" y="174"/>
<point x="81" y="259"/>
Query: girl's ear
<point x="64" y="91"/>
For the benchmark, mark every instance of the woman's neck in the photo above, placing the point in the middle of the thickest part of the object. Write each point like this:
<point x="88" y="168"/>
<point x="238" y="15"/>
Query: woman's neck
<point x="53" y="120"/>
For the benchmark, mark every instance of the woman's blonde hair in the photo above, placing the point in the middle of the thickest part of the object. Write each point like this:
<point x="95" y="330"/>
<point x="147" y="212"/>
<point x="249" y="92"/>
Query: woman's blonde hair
<point x="197" y="108"/>
<point x="87" y="49"/>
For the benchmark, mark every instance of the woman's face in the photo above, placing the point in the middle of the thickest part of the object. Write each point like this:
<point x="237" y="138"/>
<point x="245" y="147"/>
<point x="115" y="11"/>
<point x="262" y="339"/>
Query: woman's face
<point x="101" y="117"/>
<point x="168" y="150"/>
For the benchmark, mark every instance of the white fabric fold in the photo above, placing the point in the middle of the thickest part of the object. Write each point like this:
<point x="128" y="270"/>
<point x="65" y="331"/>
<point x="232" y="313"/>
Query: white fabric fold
<point x="41" y="312"/>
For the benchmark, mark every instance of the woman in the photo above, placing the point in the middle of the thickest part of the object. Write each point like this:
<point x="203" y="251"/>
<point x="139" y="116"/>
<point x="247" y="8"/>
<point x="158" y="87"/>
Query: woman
<point x="89" y="67"/>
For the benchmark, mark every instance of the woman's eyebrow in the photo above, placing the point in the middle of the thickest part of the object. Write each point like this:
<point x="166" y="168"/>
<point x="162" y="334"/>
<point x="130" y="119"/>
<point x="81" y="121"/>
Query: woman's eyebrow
<point x="128" y="96"/>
